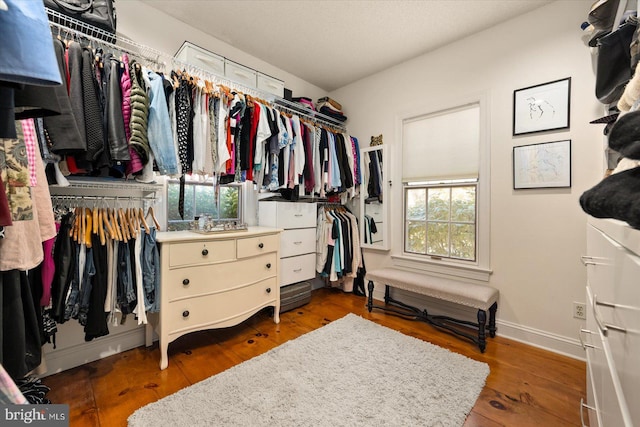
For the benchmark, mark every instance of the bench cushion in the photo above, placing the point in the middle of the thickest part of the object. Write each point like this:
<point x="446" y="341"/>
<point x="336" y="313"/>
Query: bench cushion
<point x="478" y="296"/>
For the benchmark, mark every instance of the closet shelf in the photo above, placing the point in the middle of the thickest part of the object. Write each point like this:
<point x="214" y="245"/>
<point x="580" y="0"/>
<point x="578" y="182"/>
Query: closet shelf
<point x="83" y="186"/>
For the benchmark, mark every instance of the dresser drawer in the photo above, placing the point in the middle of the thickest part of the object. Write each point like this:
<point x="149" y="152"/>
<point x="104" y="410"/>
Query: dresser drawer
<point x="198" y="313"/>
<point x="298" y="268"/>
<point x="203" y="252"/>
<point x="253" y="246"/>
<point x="201" y="58"/>
<point x="297" y="242"/>
<point x="181" y="283"/>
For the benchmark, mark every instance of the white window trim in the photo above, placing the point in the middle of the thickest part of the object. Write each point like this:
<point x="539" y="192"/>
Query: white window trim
<point x="481" y="268"/>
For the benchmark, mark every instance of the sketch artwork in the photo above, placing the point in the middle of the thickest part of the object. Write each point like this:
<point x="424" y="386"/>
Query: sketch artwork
<point x="542" y="107"/>
<point x="542" y="165"/>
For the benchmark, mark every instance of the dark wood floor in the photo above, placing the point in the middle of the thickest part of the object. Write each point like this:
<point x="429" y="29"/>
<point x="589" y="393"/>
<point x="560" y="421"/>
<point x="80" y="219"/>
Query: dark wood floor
<point x="527" y="386"/>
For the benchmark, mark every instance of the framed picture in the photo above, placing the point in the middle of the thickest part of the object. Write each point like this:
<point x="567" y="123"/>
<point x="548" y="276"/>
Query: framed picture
<point x="545" y="165"/>
<point x="541" y="108"/>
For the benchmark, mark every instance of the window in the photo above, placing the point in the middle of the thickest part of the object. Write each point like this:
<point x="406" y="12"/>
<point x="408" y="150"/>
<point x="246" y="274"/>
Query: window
<point x="200" y="199"/>
<point x="446" y="202"/>
<point x="441" y="221"/>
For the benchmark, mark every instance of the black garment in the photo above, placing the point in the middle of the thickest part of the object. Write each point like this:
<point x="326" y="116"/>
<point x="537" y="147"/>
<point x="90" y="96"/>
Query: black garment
<point x="309" y="179"/>
<point x="616" y="196"/>
<point x="21" y="345"/>
<point x="7" y="112"/>
<point x="64" y="258"/>
<point x="118" y="147"/>
<point x="183" y="109"/>
<point x="244" y="139"/>
<point x="346" y="177"/>
<point x="96" y="317"/>
<point x="62" y="130"/>
<point x="92" y="110"/>
<point x="36" y="101"/>
<point x="374" y="186"/>
<point x="74" y="53"/>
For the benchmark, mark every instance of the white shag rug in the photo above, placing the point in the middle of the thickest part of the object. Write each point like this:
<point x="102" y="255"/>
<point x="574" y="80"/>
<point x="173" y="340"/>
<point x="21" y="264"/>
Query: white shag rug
<point x="351" y="372"/>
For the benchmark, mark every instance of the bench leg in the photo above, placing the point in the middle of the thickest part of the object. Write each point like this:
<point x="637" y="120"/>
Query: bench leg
<point x="482" y="319"/>
<point x="492" y="319"/>
<point x="387" y="294"/>
<point x="370" y="299"/>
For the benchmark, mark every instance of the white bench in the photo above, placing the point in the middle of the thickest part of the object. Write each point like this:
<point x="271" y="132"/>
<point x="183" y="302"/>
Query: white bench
<point x="484" y="298"/>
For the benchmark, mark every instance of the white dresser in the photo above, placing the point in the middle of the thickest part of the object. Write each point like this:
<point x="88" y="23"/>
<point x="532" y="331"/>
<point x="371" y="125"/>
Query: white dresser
<point x="611" y="337"/>
<point x="298" y="240"/>
<point x="215" y="280"/>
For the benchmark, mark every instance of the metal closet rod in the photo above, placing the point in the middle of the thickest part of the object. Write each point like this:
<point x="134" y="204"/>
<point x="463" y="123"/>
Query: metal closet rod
<point x="59" y="197"/>
<point x="149" y="54"/>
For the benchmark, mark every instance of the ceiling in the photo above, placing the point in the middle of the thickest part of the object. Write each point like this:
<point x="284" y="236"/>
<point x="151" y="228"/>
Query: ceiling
<point x="331" y="43"/>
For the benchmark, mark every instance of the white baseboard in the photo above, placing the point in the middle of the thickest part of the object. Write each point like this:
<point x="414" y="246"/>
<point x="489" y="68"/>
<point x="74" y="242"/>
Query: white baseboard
<point x="66" y="358"/>
<point x="569" y="347"/>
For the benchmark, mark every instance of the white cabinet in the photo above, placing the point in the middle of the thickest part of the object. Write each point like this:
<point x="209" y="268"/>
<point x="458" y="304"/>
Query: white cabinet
<point x="297" y="242"/>
<point x="612" y="333"/>
<point x="270" y="84"/>
<point x="241" y="74"/>
<point x="201" y="58"/>
<point x="215" y="280"/>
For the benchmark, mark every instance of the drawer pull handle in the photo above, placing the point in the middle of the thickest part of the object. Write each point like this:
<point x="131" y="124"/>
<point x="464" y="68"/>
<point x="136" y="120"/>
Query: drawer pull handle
<point x="297" y="270"/>
<point x="299" y="242"/>
<point x="298" y="215"/>
<point x="261" y="245"/>
<point x="185" y="313"/>
<point x="584" y="405"/>
<point x="582" y="343"/>
<point x="604" y="326"/>
<point x="587" y="260"/>
<point x="205" y="252"/>
<point x="269" y="265"/>
<point x="185" y="282"/>
<point x="596" y="316"/>
<point x="268" y="290"/>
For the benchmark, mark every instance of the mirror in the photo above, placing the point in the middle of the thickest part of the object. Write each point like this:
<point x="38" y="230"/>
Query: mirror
<point x="373" y="192"/>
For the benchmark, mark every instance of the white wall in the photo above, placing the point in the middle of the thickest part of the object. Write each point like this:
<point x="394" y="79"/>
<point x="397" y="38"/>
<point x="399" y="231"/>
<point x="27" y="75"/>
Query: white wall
<point x="537" y="236"/>
<point x="142" y="23"/>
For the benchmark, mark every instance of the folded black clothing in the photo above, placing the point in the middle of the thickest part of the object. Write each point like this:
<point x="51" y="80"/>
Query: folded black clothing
<point x="624" y="136"/>
<point x="329" y="112"/>
<point x="617" y="197"/>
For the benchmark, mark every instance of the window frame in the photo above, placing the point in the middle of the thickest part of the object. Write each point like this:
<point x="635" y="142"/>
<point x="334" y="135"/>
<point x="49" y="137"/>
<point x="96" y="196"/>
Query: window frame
<point x="208" y="182"/>
<point x="479" y="270"/>
<point x="447" y="184"/>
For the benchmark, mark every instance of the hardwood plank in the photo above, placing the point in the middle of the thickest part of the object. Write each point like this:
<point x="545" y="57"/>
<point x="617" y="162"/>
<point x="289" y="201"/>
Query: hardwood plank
<point x="74" y="386"/>
<point x="527" y="386"/>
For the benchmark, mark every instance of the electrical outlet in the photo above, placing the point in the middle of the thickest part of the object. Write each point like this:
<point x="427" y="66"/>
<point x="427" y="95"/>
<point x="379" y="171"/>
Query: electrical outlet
<point x="579" y="310"/>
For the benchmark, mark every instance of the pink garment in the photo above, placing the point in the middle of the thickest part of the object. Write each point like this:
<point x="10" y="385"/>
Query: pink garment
<point x="31" y="144"/>
<point x="135" y="165"/>
<point x="48" y="270"/>
<point x="125" y="86"/>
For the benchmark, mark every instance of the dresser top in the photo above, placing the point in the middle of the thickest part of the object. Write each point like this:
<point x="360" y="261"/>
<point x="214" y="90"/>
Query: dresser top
<point x="190" y="236"/>
<point x="619" y="231"/>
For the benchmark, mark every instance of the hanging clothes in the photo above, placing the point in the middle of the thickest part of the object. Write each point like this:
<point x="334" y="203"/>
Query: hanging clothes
<point x="338" y="252"/>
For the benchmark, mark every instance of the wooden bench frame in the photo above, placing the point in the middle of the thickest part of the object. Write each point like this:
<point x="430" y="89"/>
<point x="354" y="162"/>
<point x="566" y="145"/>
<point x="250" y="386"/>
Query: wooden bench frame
<point x="446" y="323"/>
